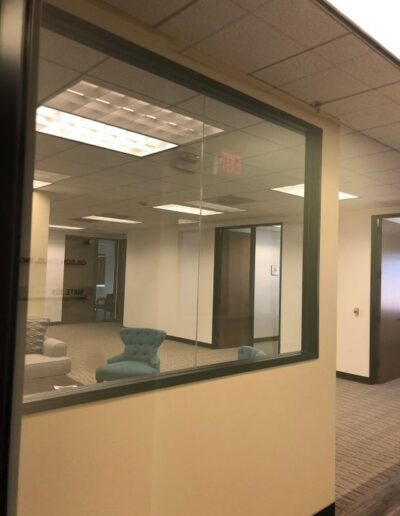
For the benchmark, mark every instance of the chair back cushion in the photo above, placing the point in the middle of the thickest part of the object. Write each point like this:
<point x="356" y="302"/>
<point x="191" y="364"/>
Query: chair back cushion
<point x="35" y="334"/>
<point x="141" y="344"/>
<point x="246" y="352"/>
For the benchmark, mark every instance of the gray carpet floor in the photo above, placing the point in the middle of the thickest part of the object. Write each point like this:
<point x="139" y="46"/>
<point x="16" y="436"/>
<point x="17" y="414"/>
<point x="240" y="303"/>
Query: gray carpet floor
<point x="368" y="449"/>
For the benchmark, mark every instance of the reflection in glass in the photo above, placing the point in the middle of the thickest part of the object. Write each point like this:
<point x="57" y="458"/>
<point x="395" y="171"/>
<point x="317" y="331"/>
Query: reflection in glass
<point x="177" y="228"/>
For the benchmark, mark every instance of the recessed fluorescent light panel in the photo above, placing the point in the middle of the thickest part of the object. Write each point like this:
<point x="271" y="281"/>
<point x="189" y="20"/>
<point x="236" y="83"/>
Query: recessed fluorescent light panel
<point x="379" y="20"/>
<point x="180" y="208"/>
<point x="111" y="219"/>
<point x="72" y="228"/>
<point x="298" y="190"/>
<point x="40" y="184"/>
<point x="186" y="221"/>
<point x="89" y="100"/>
<point x="213" y="206"/>
<point x="83" y="130"/>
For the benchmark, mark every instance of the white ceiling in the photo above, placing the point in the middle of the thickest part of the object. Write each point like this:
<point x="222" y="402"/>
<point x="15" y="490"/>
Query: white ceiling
<point x="291" y="45"/>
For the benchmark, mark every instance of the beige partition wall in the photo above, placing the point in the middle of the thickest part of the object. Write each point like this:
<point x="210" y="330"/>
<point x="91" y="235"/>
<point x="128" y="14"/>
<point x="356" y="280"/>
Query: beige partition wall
<point x="254" y="444"/>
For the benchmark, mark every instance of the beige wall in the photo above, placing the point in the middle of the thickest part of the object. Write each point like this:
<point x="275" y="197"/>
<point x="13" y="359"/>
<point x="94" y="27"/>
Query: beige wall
<point x="354" y="284"/>
<point x="38" y="255"/>
<point x="257" y="443"/>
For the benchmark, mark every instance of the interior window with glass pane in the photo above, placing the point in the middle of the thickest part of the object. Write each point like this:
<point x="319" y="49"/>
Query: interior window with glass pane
<point x="167" y="227"/>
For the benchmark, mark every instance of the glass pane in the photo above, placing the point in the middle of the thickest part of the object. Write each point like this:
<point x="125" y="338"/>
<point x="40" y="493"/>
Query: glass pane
<point x="254" y="176"/>
<point x="115" y="221"/>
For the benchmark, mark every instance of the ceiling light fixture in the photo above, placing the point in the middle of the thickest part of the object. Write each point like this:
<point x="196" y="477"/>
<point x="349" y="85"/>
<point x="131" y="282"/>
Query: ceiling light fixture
<point x="83" y="130"/>
<point x="214" y="206"/>
<point x="180" y="208"/>
<point x="55" y="226"/>
<point x="85" y="98"/>
<point x="378" y="20"/>
<point x="187" y="221"/>
<point x="40" y="184"/>
<point x="111" y="219"/>
<point x="298" y="191"/>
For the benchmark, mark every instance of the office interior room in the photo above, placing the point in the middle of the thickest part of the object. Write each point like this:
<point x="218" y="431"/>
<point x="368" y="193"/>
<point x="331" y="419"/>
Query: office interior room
<point x="155" y="244"/>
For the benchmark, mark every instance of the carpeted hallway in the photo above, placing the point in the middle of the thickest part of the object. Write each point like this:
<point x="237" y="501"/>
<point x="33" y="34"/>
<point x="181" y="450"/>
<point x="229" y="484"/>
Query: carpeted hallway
<point x="368" y="449"/>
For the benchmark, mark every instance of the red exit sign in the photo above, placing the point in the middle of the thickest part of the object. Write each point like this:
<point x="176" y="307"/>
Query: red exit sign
<point x="230" y="163"/>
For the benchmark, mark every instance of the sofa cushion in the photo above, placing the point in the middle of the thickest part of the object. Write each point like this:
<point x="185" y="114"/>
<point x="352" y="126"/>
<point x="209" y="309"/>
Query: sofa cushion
<point x="126" y="369"/>
<point x="35" y="334"/>
<point x="40" y="366"/>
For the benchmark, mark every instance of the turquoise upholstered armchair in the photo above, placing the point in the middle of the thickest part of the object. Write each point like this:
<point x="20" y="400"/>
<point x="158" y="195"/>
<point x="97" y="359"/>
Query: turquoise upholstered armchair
<point x="247" y="352"/>
<point x="139" y="357"/>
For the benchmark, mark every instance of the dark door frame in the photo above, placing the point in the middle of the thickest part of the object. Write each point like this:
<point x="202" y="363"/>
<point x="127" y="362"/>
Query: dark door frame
<point x="217" y="278"/>
<point x="376" y="257"/>
<point x="18" y="79"/>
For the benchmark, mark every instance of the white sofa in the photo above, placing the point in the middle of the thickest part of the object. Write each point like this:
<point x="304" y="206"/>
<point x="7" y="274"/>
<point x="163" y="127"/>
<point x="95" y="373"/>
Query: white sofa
<point x="52" y="362"/>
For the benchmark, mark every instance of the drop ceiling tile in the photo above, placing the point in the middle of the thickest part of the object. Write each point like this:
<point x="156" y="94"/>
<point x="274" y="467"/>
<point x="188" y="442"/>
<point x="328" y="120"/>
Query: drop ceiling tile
<point x="343" y="49"/>
<point x="384" y="114"/>
<point x="61" y="166"/>
<point x="72" y="191"/>
<point x="392" y="141"/>
<point x="357" y="102"/>
<point x="161" y="186"/>
<point x="392" y="92"/>
<point x="147" y="169"/>
<point x="301" y="20"/>
<point x="114" y="177"/>
<point x="47" y="145"/>
<point x="384" y="131"/>
<point x="293" y="68"/>
<point x="278" y="161"/>
<point x="372" y="69"/>
<point x="212" y="109"/>
<point x="53" y="78"/>
<point x="132" y="79"/>
<point x="378" y="192"/>
<point x="66" y="52"/>
<point x="357" y="144"/>
<point x="150" y="12"/>
<point x="374" y="163"/>
<point x="250" y="5"/>
<point x="200" y="20"/>
<point x="359" y="181"/>
<point x="275" y="133"/>
<point x="388" y="177"/>
<point x="249" y="44"/>
<point x="324" y="86"/>
<point x="120" y="193"/>
<point x="240" y="145"/>
<point x="91" y="155"/>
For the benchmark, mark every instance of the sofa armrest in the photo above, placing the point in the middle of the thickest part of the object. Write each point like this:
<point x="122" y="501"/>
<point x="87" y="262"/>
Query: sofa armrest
<point x="54" y="347"/>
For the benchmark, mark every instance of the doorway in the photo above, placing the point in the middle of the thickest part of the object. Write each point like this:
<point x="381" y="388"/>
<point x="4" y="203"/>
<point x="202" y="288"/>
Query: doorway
<point x="94" y="270"/>
<point x="247" y="285"/>
<point x="385" y="299"/>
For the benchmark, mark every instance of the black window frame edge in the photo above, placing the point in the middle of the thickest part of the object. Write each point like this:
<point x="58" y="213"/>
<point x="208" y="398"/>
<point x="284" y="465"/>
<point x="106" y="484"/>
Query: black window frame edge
<point x="75" y="28"/>
<point x="18" y="79"/>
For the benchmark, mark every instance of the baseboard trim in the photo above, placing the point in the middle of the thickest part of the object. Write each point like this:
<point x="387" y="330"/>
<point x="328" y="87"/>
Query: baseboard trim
<point x="328" y="511"/>
<point x="354" y="377"/>
<point x="190" y="341"/>
<point x="265" y="339"/>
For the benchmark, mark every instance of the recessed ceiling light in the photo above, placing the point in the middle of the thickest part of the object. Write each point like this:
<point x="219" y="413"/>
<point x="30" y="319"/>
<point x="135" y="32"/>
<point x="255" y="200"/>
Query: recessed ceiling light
<point x="379" y="20"/>
<point x="111" y="219"/>
<point x="40" y="184"/>
<point x="298" y="190"/>
<point x="214" y="206"/>
<point x="79" y="129"/>
<point x="130" y="113"/>
<point x="180" y="208"/>
<point x="54" y="226"/>
<point x="186" y="221"/>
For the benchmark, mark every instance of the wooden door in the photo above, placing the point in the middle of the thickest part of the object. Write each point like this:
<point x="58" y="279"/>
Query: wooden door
<point x="388" y="318"/>
<point x="80" y="272"/>
<point x="232" y="317"/>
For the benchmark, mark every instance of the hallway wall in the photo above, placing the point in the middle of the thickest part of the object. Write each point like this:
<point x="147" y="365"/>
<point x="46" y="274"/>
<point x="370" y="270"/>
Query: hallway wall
<point x="183" y="450"/>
